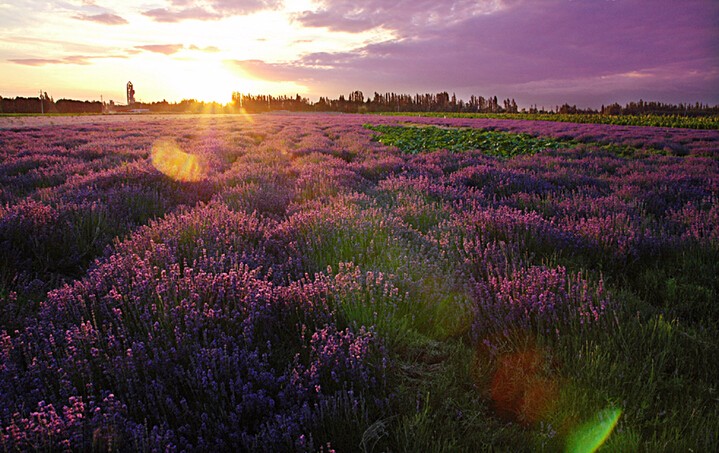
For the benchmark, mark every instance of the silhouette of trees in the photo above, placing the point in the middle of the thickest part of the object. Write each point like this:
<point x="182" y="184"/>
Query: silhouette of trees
<point x="265" y="103"/>
<point x="20" y="105"/>
<point x="73" y="106"/>
<point x="355" y="102"/>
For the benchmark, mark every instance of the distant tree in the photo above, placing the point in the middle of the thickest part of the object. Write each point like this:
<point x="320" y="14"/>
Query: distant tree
<point x="612" y="109"/>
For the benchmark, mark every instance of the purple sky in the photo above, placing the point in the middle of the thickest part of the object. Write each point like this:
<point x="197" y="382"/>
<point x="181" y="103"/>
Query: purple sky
<point x="544" y="52"/>
<point x="541" y="51"/>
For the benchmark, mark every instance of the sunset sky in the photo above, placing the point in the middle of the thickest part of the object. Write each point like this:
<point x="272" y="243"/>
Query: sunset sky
<point x="545" y="52"/>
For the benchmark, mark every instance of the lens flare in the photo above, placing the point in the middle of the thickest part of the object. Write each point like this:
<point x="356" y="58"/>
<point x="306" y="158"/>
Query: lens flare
<point x="181" y="166"/>
<point x="522" y="389"/>
<point x="590" y="436"/>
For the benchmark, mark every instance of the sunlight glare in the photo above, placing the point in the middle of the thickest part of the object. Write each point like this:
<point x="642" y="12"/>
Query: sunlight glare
<point x="204" y="81"/>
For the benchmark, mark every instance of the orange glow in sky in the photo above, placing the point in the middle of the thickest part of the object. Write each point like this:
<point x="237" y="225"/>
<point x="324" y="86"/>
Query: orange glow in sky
<point x="92" y="48"/>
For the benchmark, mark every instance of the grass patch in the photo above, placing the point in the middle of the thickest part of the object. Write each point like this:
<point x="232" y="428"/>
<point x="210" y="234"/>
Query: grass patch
<point x="681" y="121"/>
<point x="414" y="140"/>
<point x="682" y="285"/>
<point x="418" y="139"/>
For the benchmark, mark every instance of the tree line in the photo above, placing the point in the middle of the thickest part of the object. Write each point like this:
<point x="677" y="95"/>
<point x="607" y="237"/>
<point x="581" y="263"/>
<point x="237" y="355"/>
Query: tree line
<point x="46" y="104"/>
<point x="659" y="108"/>
<point x="355" y="102"/>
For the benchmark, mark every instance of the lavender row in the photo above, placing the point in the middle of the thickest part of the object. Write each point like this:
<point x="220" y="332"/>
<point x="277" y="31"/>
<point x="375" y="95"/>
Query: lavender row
<point x="171" y="342"/>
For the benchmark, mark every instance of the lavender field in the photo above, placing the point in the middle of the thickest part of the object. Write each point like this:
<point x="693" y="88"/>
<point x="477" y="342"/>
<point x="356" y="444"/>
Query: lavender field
<point x="288" y="282"/>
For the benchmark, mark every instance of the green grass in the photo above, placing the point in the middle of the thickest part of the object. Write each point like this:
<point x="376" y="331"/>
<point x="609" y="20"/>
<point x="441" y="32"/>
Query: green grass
<point x="682" y="285"/>
<point x="414" y="140"/>
<point x="646" y="367"/>
<point x="400" y="286"/>
<point x="440" y="407"/>
<point x="417" y="139"/>
<point x="658" y="371"/>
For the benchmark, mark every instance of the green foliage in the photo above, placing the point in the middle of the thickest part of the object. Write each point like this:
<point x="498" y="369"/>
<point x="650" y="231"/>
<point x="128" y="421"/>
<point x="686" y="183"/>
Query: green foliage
<point x="704" y="122"/>
<point x="645" y="365"/>
<point x="440" y="406"/>
<point x="413" y="140"/>
<point x="684" y="285"/>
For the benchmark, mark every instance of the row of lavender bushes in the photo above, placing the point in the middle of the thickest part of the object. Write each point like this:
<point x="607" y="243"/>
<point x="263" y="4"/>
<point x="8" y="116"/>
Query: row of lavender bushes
<point x="269" y="306"/>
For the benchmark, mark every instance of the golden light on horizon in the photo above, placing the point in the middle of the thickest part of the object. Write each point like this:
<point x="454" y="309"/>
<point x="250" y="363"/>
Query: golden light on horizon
<point x="167" y="157"/>
<point x="211" y="79"/>
<point x="205" y="80"/>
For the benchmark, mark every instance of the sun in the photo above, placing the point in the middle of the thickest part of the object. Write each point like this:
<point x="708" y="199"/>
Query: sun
<point x="208" y="81"/>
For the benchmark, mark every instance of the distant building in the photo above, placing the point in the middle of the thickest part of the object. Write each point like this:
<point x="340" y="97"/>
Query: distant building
<point x="132" y="105"/>
<point x="130" y="94"/>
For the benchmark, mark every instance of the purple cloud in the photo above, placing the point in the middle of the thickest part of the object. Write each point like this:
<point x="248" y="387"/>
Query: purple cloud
<point x="587" y="50"/>
<point x="244" y="6"/>
<point x="177" y="15"/>
<point x="181" y="10"/>
<point x="106" y="18"/>
<point x="165" y="49"/>
<point x="78" y="59"/>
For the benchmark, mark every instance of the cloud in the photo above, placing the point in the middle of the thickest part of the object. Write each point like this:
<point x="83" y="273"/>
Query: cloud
<point x="54" y="45"/>
<point x="244" y="6"/>
<point x="71" y="59"/>
<point x="78" y="59"/>
<point x="684" y="82"/>
<point x="165" y="49"/>
<point x="106" y="18"/>
<point x="552" y="44"/>
<point x="278" y="72"/>
<point x="35" y="61"/>
<point x="169" y="49"/>
<point x="181" y="10"/>
<point x="177" y="15"/>
<point x="399" y="15"/>
<point x="208" y="49"/>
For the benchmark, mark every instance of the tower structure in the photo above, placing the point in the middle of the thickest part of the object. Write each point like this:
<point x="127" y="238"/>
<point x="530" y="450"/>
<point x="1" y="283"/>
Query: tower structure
<point x="130" y="94"/>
